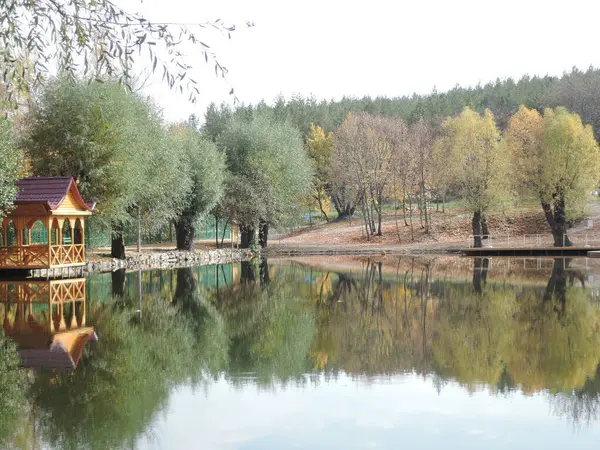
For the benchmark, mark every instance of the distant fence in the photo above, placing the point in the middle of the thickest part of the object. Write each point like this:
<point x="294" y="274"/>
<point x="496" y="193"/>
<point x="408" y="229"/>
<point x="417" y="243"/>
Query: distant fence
<point x="96" y="237"/>
<point x="205" y="230"/>
<point x="578" y="239"/>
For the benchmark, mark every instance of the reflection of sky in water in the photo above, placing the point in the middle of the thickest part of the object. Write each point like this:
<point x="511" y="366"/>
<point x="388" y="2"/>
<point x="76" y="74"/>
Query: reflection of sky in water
<point x="383" y="413"/>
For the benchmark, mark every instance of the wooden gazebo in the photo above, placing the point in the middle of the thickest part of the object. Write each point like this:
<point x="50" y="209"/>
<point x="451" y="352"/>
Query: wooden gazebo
<point x="47" y="227"/>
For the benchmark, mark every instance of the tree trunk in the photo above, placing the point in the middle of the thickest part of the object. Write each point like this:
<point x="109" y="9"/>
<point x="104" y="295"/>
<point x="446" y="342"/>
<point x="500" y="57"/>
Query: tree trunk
<point x="264" y="272"/>
<point x="396" y="217"/>
<point x="247" y="238"/>
<point x="118" y="282"/>
<point x="263" y="233"/>
<point x="184" y="233"/>
<point x="404" y="205"/>
<point x="320" y="202"/>
<point x="412" y="229"/>
<point x="247" y="272"/>
<point x="484" y="227"/>
<point x="424" y="203"/>
<point x="224" y="231"/>
<point x="476" y="223"/>
<point x="117" y="246"/>
<point x="556" y="289"/>
<point x="216" y="232"/>
<point x="420" y="205"/>
<point x="365" y="219"/>
<point x="379" y="213"/>
<point x="186" y="283"/>
<point x="480" y="269"/>
<point x="557" y="222"/>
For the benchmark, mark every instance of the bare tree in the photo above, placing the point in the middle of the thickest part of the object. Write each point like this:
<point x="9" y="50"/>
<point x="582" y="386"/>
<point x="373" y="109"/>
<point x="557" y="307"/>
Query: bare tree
<point x="363" y="159"/>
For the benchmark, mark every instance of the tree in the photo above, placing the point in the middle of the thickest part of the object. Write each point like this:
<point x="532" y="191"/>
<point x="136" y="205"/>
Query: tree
<point x="205" y="165"/>
<point x="114" y="144"/>
<point x="469" y="147"/>
<point x="362" y="155"/>
<point x="95" y="38"/>
<point x="270" y="172"/>
<point x="556" y="158"/>
<point x="421" y="138"/>
<point x="10" y="163"/>
<point x="319" y="146"/>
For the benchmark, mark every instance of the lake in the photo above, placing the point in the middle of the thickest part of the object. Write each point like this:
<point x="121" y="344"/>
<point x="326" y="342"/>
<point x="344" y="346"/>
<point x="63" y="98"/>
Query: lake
<point x="319" y="353"/>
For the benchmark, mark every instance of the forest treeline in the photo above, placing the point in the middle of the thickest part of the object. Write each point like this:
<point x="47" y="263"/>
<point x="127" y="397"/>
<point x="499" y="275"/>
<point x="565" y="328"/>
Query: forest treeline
<point x="577" y="90"/>
<point x="261" y="165"/>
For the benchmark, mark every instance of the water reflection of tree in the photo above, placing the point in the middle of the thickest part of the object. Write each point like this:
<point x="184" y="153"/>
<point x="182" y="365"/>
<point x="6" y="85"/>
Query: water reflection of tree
<point x="369" y="325"/>
<point x="13" y="385"/>
<point x="582" y="405"/>
<point x="478" y="334"/>
<point x="269" y="328"/>
<point x="503" y="335"/>
<point x="124" y="382"/>
<point x="281" y="322"/>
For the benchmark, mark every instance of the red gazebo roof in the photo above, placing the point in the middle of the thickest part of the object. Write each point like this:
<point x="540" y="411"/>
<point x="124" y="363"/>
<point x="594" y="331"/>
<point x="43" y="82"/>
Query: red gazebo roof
<point x="50" y="191"/>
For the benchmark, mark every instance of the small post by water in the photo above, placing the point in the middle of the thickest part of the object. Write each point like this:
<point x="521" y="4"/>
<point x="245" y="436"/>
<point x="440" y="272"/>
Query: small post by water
<point x="140" y="294"/>
<point x="139" y="230"/>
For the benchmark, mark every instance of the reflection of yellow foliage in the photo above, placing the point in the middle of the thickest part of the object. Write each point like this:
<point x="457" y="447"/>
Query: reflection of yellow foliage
<point x="320" y="359"/>
<point x="480" y="338"/>
<point x="556" y="350"/>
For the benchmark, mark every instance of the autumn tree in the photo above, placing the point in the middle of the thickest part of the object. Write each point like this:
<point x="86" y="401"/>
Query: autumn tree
<point x="363" y="157"/>
<point x="346" y="188"/>
<point x="554" y="157"/>
<point x="421" y="139"/>
<point x="319" y="147"/>
<point x="470" y="146"/>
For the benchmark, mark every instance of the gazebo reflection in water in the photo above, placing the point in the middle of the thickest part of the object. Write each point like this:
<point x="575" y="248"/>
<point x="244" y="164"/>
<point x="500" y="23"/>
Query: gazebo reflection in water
<point x="47" y="321"/>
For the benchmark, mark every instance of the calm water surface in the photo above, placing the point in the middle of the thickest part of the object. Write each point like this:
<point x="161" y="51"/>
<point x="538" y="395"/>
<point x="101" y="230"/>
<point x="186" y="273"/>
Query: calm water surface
<point x="337" y="353"/>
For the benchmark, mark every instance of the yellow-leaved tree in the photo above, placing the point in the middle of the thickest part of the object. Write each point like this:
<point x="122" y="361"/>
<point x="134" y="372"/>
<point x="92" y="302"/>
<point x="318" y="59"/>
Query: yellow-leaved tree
<point x="319" y="146"/>
<point x="556" y="158"/>
<point x="476" y="164"/>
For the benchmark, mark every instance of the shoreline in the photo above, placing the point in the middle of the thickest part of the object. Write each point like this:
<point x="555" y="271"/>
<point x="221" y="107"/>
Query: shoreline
<point x="163" y="258"/>
<point x="157" y="259"/>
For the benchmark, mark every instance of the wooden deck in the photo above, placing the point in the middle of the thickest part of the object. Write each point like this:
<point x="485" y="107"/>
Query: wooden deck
<point x="531" y="251"/>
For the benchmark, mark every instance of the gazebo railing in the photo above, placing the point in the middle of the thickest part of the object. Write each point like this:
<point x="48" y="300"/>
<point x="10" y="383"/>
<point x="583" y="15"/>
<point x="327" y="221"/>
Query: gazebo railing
<point x="40" y="256"/>
<point x="67" y="254"/>
<point x="24" y="256"/>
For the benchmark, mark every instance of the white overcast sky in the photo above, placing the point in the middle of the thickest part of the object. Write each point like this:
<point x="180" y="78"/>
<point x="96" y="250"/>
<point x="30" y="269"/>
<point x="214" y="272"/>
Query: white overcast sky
<point x="332" y="48"/>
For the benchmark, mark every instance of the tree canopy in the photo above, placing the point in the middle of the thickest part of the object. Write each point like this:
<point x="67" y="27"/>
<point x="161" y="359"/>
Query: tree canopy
<point x="556" y="158"/>
<point x="115" y="146"/>
<point x="96" y="38"/>
<point x="205" y="165"/>
<point x="269" y="172"/>
<point x="10" y="165"/>
<point x="475" y="163"/>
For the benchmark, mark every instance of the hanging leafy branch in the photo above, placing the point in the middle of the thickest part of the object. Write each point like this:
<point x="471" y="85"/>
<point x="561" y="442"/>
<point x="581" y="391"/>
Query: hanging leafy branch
<point x="98" y="38"/>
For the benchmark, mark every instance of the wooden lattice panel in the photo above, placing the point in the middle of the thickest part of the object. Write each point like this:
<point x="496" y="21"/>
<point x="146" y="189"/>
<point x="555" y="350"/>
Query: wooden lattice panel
<point x="67" y="255"/>
<point x="42" y="306"/>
